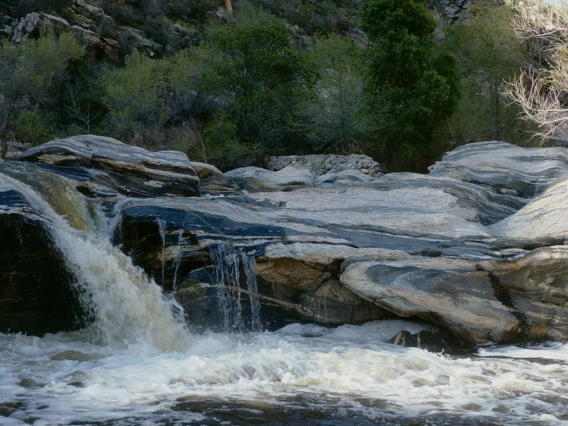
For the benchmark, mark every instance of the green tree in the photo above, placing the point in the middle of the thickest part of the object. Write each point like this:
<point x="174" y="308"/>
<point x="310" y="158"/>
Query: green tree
<point x="135" y="96"/>
<point x="418" y="81"/>
<point x="30" y="73"/>
<point x="339" y="116"/>
<point x="258" y="75"/>
<point x="489" y="53"/>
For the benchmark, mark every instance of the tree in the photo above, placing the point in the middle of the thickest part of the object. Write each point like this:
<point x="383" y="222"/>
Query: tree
<point x="489" y="53"/>
<point x="338" y="116"/>
<point x="541" y="88"/>
<point x="417" y="80"/>
<point x="136" y="100"/>
<point x="257" y="73"/>
<point x="30" y="73"/>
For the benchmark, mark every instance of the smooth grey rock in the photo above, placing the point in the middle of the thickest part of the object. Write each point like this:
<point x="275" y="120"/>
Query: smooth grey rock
<point x="347" y="177"/>
<point x="255" y="179"/>
<point x="507" y="168"/>
<point x="546" y="216"/>
<point x="130" y="170"/>
<point x="444" y="291"/>
<point x="536" y="284"/>
<point x="466" y="248"/>
<point x="213" y="181"/>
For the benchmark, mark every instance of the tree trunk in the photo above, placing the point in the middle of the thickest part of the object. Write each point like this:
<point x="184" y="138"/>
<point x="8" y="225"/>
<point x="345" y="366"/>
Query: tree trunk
<point x="228" y="6"/>
<point x="3" y="127"/>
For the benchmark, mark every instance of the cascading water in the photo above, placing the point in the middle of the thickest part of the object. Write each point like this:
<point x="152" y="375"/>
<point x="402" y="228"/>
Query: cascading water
<point x="125" y="304"/>
<point x="230" y="264"/>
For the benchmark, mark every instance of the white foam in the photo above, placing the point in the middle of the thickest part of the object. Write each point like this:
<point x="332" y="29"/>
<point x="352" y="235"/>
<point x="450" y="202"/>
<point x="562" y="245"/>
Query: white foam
<point x="64" y="376"/>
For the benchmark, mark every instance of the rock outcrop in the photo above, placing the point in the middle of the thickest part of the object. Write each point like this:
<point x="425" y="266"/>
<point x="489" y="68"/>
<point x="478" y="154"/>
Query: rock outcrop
<point x="103" y="166"/>
<point x="476" y="248"/>
<point x="35" y="291"/>
<point x="323" y="164"/>
<point x="457" y="248"/>
<point x="33" y="22"/>
<point x="453" y="11"/>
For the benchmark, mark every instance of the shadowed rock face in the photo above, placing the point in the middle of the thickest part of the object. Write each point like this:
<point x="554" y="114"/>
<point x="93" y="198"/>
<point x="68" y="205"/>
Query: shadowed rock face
<point x="35" y="291"/>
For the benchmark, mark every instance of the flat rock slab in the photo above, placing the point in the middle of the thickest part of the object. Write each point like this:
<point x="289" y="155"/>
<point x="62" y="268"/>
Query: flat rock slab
<point x="256" y="179"/>
<point x="133" y="171"/>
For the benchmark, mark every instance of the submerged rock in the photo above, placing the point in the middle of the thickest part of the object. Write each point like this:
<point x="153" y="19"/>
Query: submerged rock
<point x="432" y="340"/>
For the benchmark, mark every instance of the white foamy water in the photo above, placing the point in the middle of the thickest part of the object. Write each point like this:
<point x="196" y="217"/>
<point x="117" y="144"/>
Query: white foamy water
<point x="348" y="372"/>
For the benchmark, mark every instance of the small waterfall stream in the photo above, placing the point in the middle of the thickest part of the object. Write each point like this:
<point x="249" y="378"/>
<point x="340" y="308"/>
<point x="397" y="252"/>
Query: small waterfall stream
<point x="137" y="364"/>
<point x="234" y="289"/>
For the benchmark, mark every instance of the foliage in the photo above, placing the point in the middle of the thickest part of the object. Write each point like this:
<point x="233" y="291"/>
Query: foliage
<point x="33" y="126"/>
<point x="135" y="97"/>
<point x="338" y="118"/>
<point x="489" y="54"/>
<point x="540" y="91"/>
<point x="324" y="17"/>
<point x="258" y="74"/>
<point x="30" y="73"/>
<point x="20" y="8"/>
<point x="418" y="81"/>
<point x="223" y="148"/>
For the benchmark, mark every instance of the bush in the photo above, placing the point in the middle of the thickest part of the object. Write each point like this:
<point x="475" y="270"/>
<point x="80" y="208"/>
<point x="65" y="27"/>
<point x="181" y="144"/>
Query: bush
<point x="222" y="147"/>
<point x="136" y="97"/>
<point x="339" y="117"/>
<point x="488" y="53"/>
<point x="33" y="127"/>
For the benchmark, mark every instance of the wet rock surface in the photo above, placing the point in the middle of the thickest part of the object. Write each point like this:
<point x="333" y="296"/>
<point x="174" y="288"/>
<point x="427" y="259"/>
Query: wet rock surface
<point x="35" y="291"/>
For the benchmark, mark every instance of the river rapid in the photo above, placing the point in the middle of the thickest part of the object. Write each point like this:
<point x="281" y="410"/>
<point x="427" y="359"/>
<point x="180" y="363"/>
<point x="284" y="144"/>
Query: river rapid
<point x="300" y="374"/>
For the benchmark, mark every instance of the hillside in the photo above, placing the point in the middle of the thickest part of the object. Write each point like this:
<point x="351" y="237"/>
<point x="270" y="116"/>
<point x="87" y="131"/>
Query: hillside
<point x="230" y="87"/>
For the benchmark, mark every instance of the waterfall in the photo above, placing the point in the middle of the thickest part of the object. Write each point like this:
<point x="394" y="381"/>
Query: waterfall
<point x="230" y="264"/>
<point x="127" y="306"/>
<point x="177" y="259"/>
